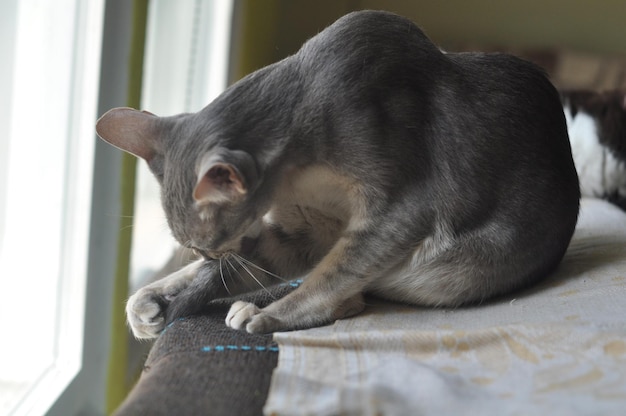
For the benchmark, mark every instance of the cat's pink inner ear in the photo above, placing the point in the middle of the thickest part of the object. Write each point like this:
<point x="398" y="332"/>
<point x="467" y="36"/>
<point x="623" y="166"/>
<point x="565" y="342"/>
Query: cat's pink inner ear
<point x="219" y="183"/>
<point x="129" y="130"/>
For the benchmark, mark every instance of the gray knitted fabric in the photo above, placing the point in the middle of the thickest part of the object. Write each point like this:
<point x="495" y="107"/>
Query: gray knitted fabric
<point x="198" y="366"/>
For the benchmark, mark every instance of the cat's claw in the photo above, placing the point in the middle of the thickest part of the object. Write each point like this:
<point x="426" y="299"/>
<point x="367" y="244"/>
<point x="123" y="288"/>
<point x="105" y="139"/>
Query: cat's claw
<point x="145" y="314"/>
<point x="248" y="316"/>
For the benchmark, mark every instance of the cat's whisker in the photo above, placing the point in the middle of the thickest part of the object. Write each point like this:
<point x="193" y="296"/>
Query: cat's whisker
<point x="235" y="269"/>
<point x="252" y="276"/>
<point x="126" y="228"/>
<point x="182" y="255"/>
<point x="224" y="280"/>
<point x="259" y="268"/>
<point x="179" y="254"/>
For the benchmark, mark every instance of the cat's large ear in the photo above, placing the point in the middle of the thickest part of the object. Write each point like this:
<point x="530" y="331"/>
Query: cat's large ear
<point x="133" y="131"/>
<point x="225" y="175"/>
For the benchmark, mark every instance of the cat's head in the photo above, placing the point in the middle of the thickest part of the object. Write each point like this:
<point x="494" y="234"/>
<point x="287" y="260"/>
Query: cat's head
<point x="206" y="187"/>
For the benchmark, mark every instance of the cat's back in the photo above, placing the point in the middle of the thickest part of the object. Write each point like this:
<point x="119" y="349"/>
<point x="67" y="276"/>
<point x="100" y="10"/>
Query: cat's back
<point x="368" y="45"/>
<point x="498" y="79"/>
<point x="510" y="105"/>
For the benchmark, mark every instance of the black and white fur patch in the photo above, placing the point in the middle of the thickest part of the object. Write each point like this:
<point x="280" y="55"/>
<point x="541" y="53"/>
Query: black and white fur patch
<point x="596" y="123"/>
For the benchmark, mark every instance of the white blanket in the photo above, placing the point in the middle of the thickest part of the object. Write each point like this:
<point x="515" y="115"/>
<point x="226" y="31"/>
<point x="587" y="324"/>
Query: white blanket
<point x="556" y="349"/>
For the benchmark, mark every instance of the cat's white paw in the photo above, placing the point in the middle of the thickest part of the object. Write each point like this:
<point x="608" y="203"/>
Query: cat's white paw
<point x="240" y="314"/>
<point x="245" y="315"/>
<point x="145" y="310"/>
<point x="145" y="314"/>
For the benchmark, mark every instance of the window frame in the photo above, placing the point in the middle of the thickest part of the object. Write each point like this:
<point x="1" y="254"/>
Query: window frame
<point x="87" y="392"/>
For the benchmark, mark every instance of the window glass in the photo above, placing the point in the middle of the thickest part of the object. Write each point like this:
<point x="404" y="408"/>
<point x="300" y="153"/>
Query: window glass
<point x="47" y="99"/>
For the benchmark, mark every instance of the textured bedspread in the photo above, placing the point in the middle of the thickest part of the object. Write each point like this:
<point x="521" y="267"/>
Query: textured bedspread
<point x="558" y="348"/>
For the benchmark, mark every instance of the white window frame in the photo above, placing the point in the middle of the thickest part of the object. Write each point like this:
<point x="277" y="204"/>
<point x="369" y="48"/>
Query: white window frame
<point x="87" y="393"/>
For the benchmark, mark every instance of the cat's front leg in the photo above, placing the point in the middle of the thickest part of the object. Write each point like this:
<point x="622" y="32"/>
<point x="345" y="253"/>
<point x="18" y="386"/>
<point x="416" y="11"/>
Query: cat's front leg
<point x="333" y="290"/>
<point x="248" y="316"/>
<point x="145" y="310"/>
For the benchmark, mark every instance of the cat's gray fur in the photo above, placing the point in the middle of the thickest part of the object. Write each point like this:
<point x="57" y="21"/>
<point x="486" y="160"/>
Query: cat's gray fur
<point x="371" y="162"/>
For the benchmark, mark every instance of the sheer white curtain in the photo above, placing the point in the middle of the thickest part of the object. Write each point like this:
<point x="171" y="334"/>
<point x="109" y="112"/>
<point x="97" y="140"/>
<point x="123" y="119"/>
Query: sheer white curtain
<point x="186" y="66"/>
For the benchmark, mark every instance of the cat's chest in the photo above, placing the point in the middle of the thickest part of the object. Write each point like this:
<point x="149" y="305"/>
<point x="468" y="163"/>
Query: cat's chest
<point x="317" y="196"/>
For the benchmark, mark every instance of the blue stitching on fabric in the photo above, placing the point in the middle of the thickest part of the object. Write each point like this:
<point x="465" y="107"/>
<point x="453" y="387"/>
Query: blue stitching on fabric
<point x="293" y="283"/>
<point x="222" y="348"/>
<point x="170" y="324"/>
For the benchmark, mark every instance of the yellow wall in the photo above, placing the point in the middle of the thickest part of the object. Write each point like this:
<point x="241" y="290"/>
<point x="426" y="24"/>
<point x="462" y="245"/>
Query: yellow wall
<point x="272" y="29"/>
<point x="588" y="25"/>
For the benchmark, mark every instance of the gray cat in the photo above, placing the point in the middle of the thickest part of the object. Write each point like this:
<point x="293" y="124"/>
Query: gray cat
<point x="369" y="162"/>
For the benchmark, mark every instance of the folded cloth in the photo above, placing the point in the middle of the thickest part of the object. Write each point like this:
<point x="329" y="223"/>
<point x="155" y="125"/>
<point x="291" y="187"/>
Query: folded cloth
<point x="558" y="348"/>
